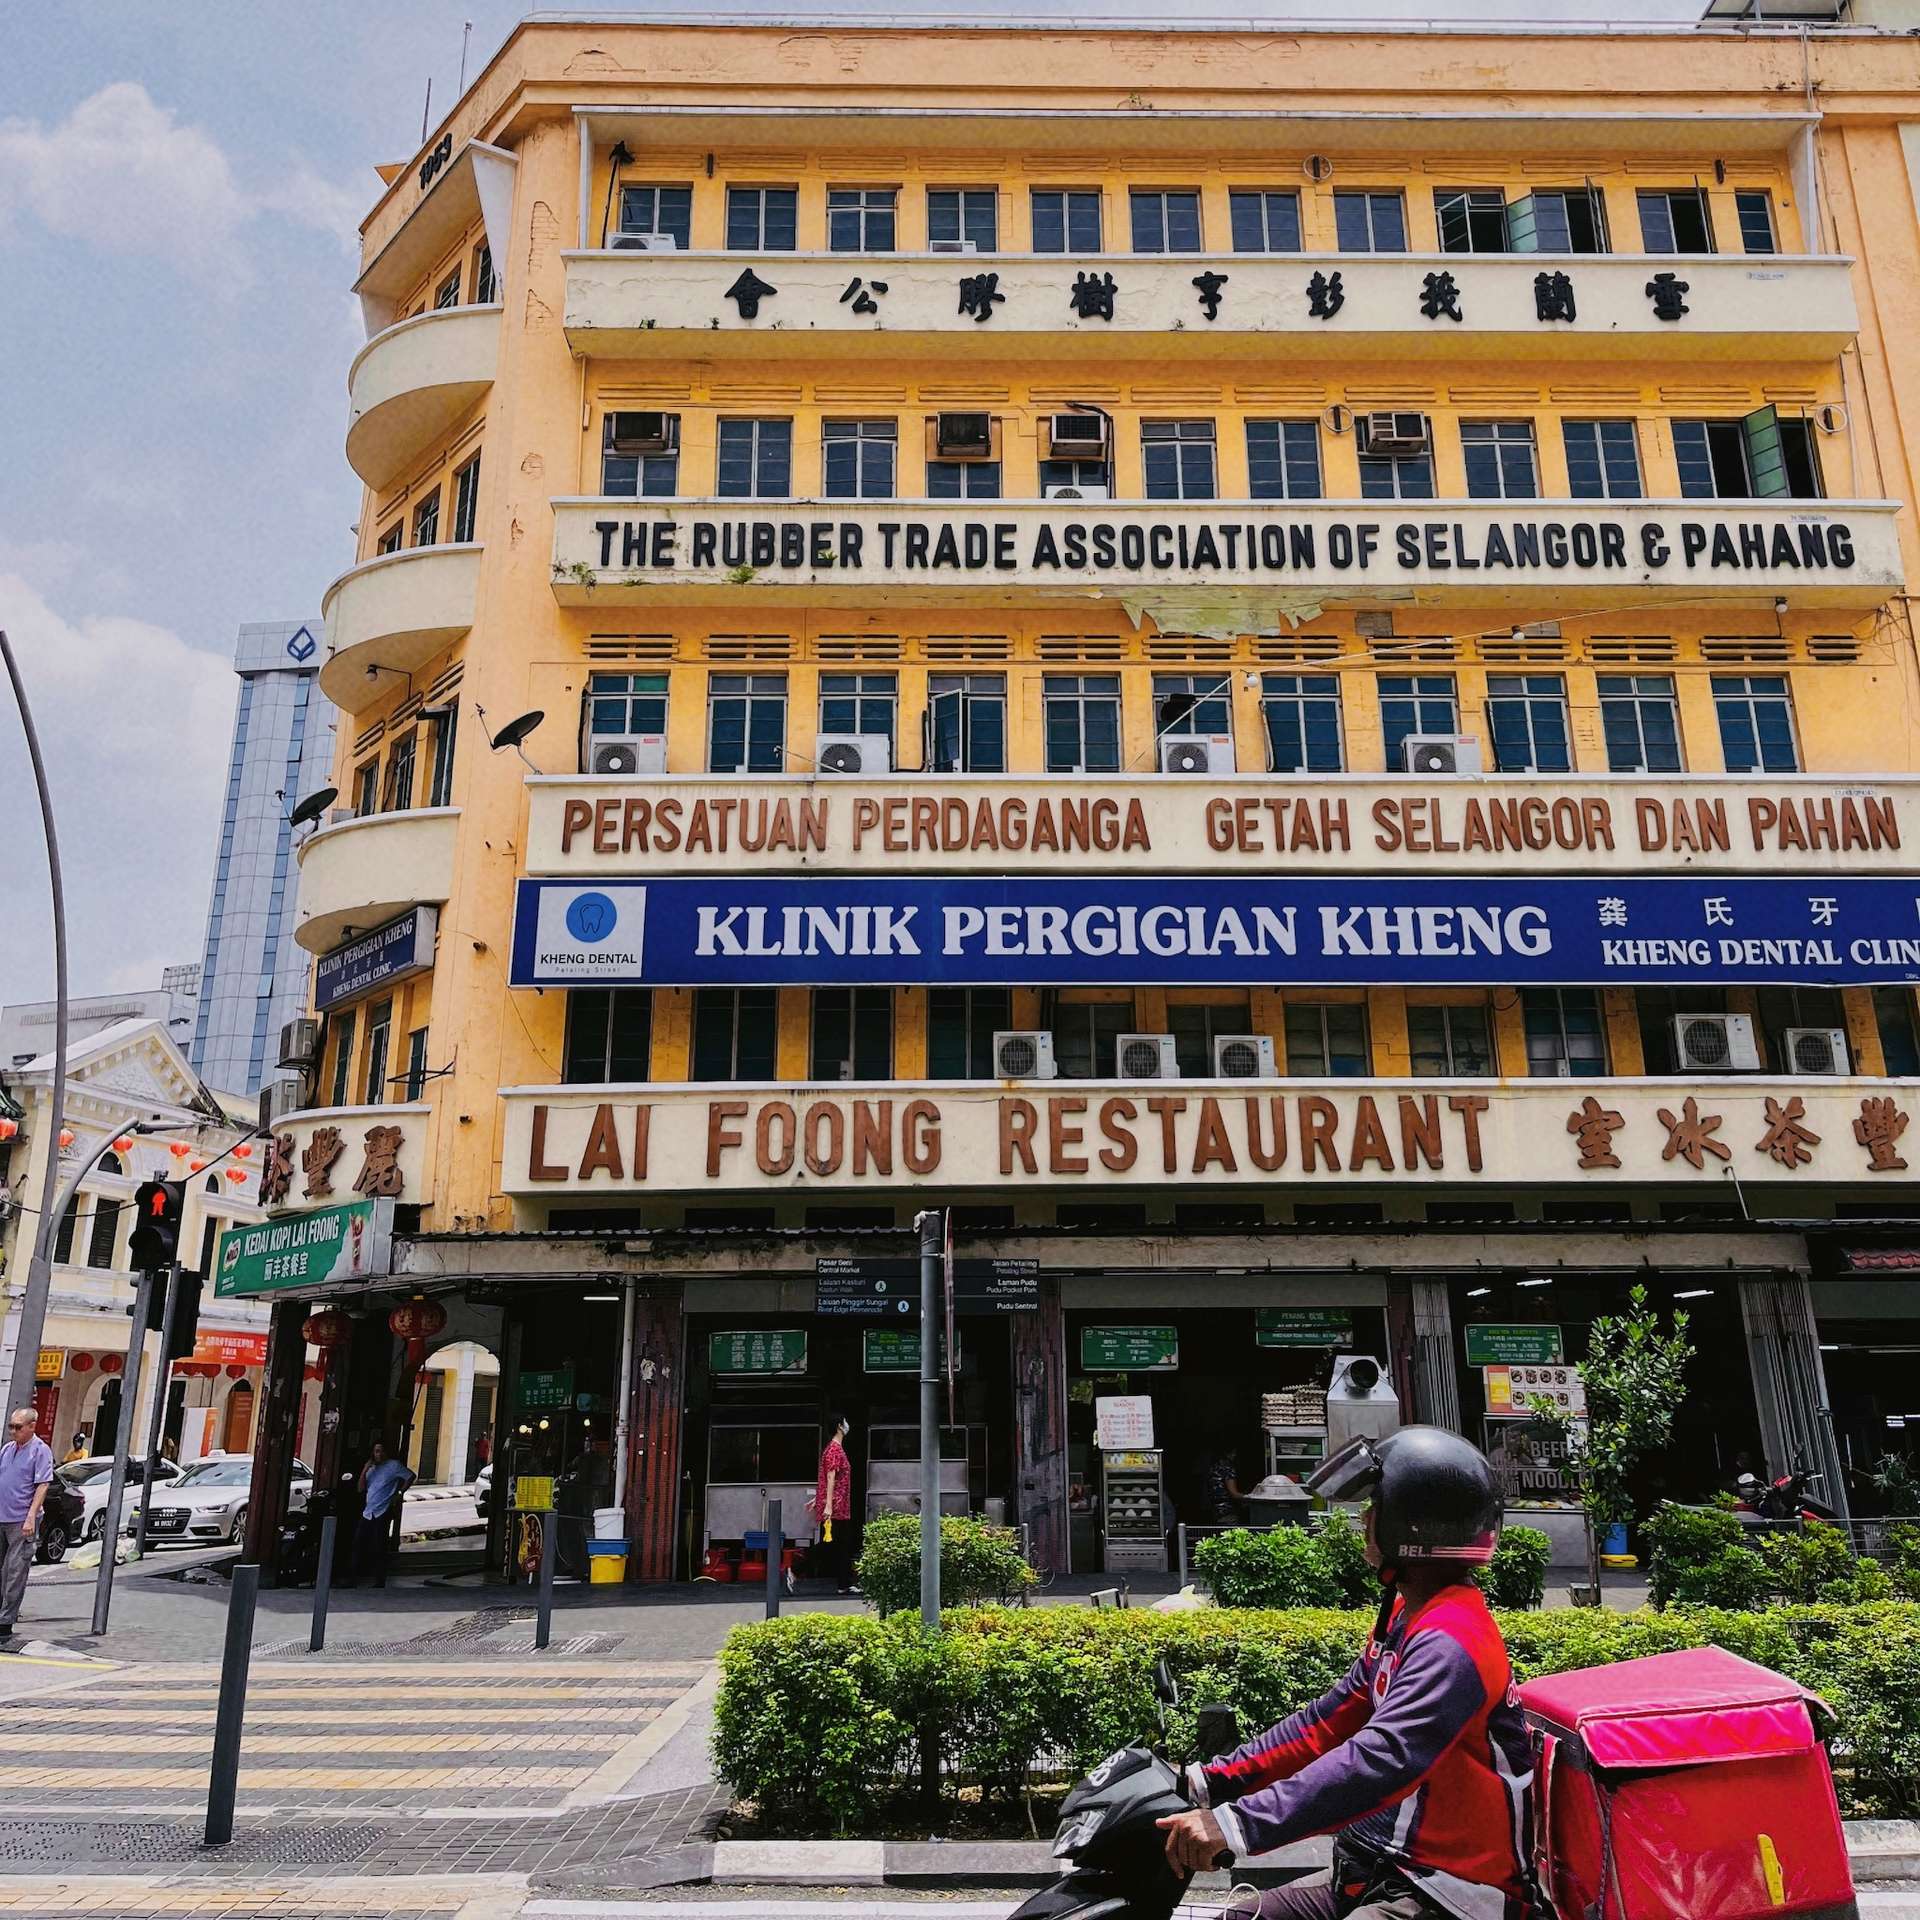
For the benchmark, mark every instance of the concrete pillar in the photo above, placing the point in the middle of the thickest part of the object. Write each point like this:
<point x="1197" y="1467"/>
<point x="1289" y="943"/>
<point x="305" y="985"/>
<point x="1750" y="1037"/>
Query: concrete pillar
<point x="1040" y="1427"/>
<point x="457" y="1421"/>
<point x="275" y="1432"/>
<point x="656" y="1399"/>
<point x="1790" y="1382"/>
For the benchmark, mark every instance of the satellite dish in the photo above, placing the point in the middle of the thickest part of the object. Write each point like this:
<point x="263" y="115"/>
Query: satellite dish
<point x="516" y="731"/>
<point x="313" y="806"/>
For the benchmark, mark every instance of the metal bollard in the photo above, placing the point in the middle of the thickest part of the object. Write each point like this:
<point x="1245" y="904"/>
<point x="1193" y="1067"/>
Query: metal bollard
<point x="322" y="1583"/>
<point x="224" y="1781"/>
<point x="549" y="1552"/>
<point x="1181" y="1530"/>
<point x="776" y="1545"/>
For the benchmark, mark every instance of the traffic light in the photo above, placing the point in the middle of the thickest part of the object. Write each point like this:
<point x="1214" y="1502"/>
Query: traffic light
<point x="157" y="1209"/>
<point x="186" y="1314"/>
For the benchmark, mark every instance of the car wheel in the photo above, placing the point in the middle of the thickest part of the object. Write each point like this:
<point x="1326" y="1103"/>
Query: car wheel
<point x="53" y="1543"/>
<point x="97" y="1525"/>
<point x="239" y="1527"/>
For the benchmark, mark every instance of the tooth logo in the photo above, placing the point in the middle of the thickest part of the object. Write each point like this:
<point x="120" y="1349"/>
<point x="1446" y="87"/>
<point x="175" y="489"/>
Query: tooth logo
<point x="591" y="918"/>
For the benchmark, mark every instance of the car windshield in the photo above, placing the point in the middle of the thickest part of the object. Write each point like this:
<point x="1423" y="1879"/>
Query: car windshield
<point x="81" y="1471"/>
<point x="218" y="1473"/>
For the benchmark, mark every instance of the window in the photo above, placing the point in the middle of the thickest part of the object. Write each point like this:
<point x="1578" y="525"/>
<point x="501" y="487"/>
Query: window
<point x="1675" y="220"/>
<point x="444" y="726"/>
<point x="1089" y="476"/>
<point x="1449" y="1043"/>
<point x="486" y="284"/>
<point x="860" y="219"/>
<point x="633" y="461"/>
<point x="1066" y="220"/>
<point x="762" y="219"/>
<point x="961" y="1023"/>
<point x="1392" y="476"/>
<point x="1573" y="220"/>
<point x="1527" y="717"/>
<point x="1369" y="223"/>
<point x="64" y="1232"/>
<point x="853" y="1033"/>
<point x="746" y="722"/>
<point x="1500" y="459"/>
<point x="1755" y="211"/>
<point x="466" y="501"/>
<point x="1640" y="719"/>
<point x="667" y="210"/>
<point x="1781" y="1008"/>
<point x="609" y="1034"/>
<point x="859" y="459"/>
<point x="1195" y="1029"/>
<point x="399" y="791"/>
<point x="733" y="1033"/>
<point x="1179" y="459"/>
<point x="1603" y="459"/>
<point x="340" y="1089"/>
<point x="1283" y="459"/>
<point x="1083" y="722"/>
<point x="963" y="214"/>
<point x="1415" y="703"/>
<point x="426" y="520"/>
<point x="1899" y="1042"/>
<point x="620" y="705"/>
<point x="366" y="789"/>
<point x="391" y="538"/>
<point x="967" y="723"/>
<point x="1086" y="1038"/>
<point x="963" y="479"/>
<point x="1186" y="704"/>
<point x="447" y="293"/>
<point x="416" y="1083"/>
<point x="1471" y="219"/>
<point x="379" y="1038"/>
<point x="1327" y="1040"/>
<point x="1302" y="712"/>
<point x="755" y="460"/>
<point x="1756" y="723"/>
<point x="860" y="703"/>
<point x="1263" y="221"/>
<point x="1166" y="222"/>
<point x="105" y="1232"/>
<point x="1564" y="1035"/>
<point x="1757" y="457"/>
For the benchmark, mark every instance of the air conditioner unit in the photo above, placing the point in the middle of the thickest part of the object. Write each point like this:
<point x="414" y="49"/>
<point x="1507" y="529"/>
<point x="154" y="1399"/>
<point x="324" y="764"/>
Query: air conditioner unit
<point x="1078" y="436"/>
<point x="1395" y="434"/>
<point x="1077" y="493"/>
<point x="1196" y="753"/>
<point x="643" y="433"/>
<point x="963" y="436"/>
<point x="1244" y="1056"/>
<point x="1145" y="1056"/>
<point x="627" y="753"/>
<point x="299" y="1043"/>
<point x="646" y="243"/>
<point x="1816" y="1050"/>
<point x="1023" y="1056"/>
<point x="854" y="753"/>
<point x="278" y="1099"/>
<point x="1714" y="1043"/>
<point x="1440" y="753"/>
<point x="953" y="246"/>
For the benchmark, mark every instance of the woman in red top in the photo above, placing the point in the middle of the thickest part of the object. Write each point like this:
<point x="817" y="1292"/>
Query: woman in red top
<point x="832" y="1503"/>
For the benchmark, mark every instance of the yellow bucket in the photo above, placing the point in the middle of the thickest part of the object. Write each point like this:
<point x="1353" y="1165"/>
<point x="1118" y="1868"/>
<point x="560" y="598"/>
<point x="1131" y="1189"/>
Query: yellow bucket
<point x="607" y="1569"/>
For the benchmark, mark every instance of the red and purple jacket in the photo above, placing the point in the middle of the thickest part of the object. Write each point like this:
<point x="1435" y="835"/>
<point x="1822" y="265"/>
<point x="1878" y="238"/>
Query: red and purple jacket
<point x="1418" y="1759"/>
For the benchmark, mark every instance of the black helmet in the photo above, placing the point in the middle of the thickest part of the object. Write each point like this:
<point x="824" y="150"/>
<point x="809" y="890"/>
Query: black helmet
<point x="1433" y="1493"/>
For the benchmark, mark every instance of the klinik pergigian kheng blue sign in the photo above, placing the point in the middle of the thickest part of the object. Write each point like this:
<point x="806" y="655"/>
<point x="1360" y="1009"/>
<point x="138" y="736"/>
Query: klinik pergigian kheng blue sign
<point x="1182" y="931"/>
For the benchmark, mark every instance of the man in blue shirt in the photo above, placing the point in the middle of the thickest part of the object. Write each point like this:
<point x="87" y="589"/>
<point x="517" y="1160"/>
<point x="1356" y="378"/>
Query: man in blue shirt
<point x="26" y="1471"/>
<point x="382" y="1481"/>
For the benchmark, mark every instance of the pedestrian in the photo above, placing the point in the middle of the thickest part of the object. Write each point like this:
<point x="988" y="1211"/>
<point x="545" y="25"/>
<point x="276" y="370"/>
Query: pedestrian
<point x="832" y="1505"/>
<point x="26" y="1471"/>
<point x="81" y="1449"/>
<point x="382" y="1481"/>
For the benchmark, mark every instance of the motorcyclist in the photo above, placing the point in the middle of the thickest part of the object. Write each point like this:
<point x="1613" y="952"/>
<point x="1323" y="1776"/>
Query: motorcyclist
<point x="1418" y="1760"/>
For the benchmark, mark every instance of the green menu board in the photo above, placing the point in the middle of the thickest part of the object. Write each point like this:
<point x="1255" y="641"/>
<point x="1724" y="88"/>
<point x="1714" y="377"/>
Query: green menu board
<point x="756" y="1350"/>
<point x="1536" y="1345"/>
<point x="1302" y="1327"/>
<point x="1129" y="1349"/>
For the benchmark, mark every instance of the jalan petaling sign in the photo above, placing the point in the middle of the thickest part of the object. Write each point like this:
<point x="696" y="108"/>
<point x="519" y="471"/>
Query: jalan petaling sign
<point x="1194" y="932"/>
<point x="377" y="959"/>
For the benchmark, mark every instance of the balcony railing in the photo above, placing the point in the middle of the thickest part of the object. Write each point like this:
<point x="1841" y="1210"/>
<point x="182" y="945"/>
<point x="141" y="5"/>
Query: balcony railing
<point x="362" y="872"/>
<point x="410" y="384"/>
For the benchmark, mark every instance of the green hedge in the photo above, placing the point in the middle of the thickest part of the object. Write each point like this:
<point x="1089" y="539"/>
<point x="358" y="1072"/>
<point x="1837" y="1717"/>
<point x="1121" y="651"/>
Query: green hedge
<point x="819" y="1713"/>
<point x="1295" y="1567"/>
<point x="978" y="1562"/>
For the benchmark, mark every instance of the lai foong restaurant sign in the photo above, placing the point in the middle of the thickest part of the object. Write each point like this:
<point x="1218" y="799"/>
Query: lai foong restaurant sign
<point x="319" y="1247"/>
<point x="1248" y="930"/>
<point x="373" y="960"/>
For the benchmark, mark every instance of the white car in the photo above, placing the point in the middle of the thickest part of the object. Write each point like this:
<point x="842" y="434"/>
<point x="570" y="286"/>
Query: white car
<point x="91" y="1478"/>
<point x="209" y="1502"/>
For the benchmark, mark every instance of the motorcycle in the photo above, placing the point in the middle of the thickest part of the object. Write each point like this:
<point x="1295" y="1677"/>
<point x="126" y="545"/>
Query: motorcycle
<point x="1116" y="1857"/>
<point x="1786" y="1498"/>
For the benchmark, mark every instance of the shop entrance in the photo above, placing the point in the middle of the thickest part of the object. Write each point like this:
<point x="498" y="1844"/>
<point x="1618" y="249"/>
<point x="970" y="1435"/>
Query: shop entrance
<point x="562" y="1421"/>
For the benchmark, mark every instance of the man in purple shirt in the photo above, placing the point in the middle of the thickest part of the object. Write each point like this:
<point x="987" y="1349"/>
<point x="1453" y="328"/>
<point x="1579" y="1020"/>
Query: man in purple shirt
<point x="26" y="1471"/>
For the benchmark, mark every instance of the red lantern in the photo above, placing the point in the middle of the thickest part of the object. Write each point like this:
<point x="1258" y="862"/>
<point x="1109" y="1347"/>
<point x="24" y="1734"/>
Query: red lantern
<point x="80" y="1363"/>
<point x="8" y="1128"/>
<point x="111" y="1363"/>
<point x="179" y="1149"/>
<point x="235" y="1372"/>
<point x="196" y="1166"/>
<point x="325" y="1329"/>
<point x="66" y="1138"/>
<point x="416" y="1323"/>
<point x="124" y="1144"/>
<point x="237" y="1175"/>
<point x="243" y="1151"/>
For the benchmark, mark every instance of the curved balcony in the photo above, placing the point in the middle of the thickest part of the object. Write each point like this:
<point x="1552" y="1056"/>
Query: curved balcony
<point x="361" y="873"/>
<point x="396" y="611"/>
<point x="408" y="385"/>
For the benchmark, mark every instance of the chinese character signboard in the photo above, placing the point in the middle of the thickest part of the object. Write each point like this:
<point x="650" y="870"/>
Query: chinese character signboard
<point x="312" y="1249"/>
<point x="229" y="1349"/>
<point x="757" y="1351"/>
<point x="893" y="1350"/>
<point x="1302" y="1327"/>
<point x="49" y="1364"/>
<point x="1129" y="1349"/>
<point x="1489" y="1346"/>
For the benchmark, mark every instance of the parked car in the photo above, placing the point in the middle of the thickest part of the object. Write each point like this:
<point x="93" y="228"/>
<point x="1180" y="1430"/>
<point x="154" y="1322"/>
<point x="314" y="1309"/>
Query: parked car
<point x="209" y="1502"/>
<point x="90" y="1479"/>
<point x="60" y="1520"/>
<point x="483" y="1491"/>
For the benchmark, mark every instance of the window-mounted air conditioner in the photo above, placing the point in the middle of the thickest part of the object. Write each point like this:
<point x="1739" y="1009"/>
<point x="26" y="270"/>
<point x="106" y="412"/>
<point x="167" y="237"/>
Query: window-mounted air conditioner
<point x="1077" y="492"/>
<point x="1196" y="753"/>
<point x="1244" y="1056"/>
<point x="299" y="1043"/>
<point x="1440" y="753"/>
<point x="854" y="753"/>
<point x="1395" y="435"/>
<point x="643" y="433"/>
<point x="278" y="1099"/>
<point x="1816" y="1050"/>
<point x="953" y="246"/>
<point x="1023" y="1056"/>
<point x="963" y="436"/>
<point x="627" y="753"/>
<point x="1078" y="436"/>
<point x="646" y="243"/>
<point x="1145" y="1056"/>
<point x="1714" y="1043"/>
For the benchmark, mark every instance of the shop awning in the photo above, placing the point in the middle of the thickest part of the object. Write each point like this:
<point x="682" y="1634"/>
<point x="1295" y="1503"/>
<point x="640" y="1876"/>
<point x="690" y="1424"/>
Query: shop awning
<point x="1881" y="1259"/>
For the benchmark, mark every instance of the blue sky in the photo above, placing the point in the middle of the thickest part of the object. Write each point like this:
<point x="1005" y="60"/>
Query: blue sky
<point x="179" y="188"/>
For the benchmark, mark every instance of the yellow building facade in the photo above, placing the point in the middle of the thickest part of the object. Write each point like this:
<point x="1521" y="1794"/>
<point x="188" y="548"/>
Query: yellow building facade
<point x="1371" y="566"/>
